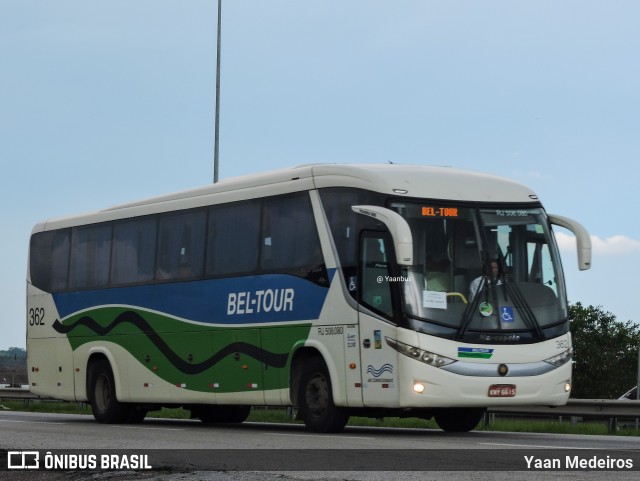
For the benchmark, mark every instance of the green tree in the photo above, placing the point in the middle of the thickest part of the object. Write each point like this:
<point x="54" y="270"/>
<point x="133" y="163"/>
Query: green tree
<point x="605" y="353"/>
<point x="13" y="366"/>
<point x="14" y="353"/>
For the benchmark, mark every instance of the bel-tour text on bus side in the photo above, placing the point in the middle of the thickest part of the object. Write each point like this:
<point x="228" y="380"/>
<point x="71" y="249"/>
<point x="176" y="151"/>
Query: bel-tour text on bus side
<point x="265" y="300"/>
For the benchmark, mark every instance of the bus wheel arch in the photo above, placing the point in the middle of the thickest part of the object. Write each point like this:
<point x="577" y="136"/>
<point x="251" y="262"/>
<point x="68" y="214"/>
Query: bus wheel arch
<point x="300" y="357"/>
<point x="312" y="393"/>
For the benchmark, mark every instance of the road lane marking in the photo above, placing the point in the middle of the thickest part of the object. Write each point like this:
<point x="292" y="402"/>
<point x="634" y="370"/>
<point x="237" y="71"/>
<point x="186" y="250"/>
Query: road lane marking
<point x="30" y="422"/>
<point x="321" y="436"/>
<point x="124" y="427"/>
<point x="531" y="446"/>
<point x="137" y="426"/>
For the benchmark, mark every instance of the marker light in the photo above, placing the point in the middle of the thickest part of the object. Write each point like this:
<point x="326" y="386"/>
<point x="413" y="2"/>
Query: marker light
<point x="418" y="387"/>
<point x="567" y="386"/>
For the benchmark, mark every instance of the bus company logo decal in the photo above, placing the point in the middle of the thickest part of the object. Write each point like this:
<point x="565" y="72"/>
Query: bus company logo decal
<point x="380" y="371"/>
<point x="377" y="372"/>
<point x="475" y="352"/>
<point x="264" y="300"/>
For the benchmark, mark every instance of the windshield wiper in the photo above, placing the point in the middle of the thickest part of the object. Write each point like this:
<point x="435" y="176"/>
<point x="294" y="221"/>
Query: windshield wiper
<point x="467" y="315"/>
<point x="520" y="302"/>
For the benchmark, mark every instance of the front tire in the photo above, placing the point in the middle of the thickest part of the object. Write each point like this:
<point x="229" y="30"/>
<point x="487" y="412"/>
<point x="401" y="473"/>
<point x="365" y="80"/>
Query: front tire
<point x="102" y="395"/>
<point x="315" y="399"/>
<point x="459" y="420"/>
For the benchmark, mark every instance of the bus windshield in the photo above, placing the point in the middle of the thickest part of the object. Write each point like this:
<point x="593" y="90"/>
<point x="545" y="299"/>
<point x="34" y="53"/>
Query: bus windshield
<point x="482" y="269"/>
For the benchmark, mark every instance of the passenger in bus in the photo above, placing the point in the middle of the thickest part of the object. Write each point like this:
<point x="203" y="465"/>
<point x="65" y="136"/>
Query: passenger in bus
<point x="493" y="278"/>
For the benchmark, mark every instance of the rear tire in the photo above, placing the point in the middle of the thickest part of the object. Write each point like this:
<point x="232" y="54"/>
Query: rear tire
<point x="315" y="399"/>
<point x="459" y="420"/>
<point x="102" y="394"/>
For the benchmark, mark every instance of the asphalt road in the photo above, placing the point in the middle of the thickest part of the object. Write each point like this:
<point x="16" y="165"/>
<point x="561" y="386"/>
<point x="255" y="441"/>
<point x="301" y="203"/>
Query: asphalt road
<point x="188" y="450"/>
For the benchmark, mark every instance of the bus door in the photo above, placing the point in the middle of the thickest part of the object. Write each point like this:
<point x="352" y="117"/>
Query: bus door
<point x="379" y="361"/>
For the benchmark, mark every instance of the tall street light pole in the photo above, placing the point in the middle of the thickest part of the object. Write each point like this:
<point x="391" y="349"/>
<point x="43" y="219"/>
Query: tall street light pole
<point x="216" y="147"/>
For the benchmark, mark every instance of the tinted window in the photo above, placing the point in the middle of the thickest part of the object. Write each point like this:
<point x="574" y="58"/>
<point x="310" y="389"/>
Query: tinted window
<point x="344" y="222"/>
<point x="276" y="234"/>
<point x="234" y="238"/>
<point x="289" y="236"/>
<point x="49" y="260"/>
<point x="346" y="225"/>
<point x="376" y="288"/>
<point x="181" y="245"/>
<point x="134" y="247"/>
<point x="90" y="253"/>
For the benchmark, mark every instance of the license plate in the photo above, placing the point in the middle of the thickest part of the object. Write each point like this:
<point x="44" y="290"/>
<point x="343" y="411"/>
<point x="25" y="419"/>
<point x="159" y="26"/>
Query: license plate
<point x="502" y="390"/>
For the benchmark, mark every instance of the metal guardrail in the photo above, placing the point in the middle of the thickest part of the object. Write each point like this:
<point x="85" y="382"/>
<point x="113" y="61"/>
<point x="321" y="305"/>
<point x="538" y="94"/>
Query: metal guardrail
<point x="17" y="393"/>
<point x="578" y="407"/>
<point x="606" y="409"/>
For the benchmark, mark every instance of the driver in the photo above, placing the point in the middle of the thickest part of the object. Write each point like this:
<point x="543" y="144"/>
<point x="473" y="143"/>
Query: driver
<point x="493" y="278"/>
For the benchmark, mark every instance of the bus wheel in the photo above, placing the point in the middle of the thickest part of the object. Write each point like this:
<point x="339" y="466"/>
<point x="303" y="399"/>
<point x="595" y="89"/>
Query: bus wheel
<point x="315" y="399"/>
<point x="222" y="414"/>
<point x="238" y="414"/>
<point x="459" y="420"/>
<point x="102" y="394"/>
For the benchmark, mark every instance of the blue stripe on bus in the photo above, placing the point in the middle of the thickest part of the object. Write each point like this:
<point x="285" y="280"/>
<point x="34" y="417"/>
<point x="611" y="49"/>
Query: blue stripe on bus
<point x="240" y="300"/>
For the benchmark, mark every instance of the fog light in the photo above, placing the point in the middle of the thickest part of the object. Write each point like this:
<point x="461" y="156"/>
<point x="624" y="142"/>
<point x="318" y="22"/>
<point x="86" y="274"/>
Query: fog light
<point x="418" y="387"/>
<point x="567" y="386"/>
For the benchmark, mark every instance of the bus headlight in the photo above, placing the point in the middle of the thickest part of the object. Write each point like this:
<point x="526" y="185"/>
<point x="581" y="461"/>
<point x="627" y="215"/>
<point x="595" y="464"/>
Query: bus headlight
<point x="561" y="358"/>
<point x="418" y="387"/>
<point x="430" y="358"/>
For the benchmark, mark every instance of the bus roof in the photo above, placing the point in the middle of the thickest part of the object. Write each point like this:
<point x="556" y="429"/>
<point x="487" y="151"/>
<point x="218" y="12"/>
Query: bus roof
<point x="431" y="182"/>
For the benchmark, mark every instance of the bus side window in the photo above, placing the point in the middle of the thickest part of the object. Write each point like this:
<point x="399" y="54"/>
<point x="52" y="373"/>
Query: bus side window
<point x="345" y="226"/>
<point x="90" y="256"/>
<point x="49" y="259"/>
<point x="290" y="242"/>
<point x="233" y="238"/>
<point x="181" y="245"/>
<point x="134" y="247"/>
<point x="375" y="275"/>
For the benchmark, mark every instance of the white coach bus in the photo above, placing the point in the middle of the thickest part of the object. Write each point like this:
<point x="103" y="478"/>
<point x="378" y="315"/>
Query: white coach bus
<point x="376" y="290"/>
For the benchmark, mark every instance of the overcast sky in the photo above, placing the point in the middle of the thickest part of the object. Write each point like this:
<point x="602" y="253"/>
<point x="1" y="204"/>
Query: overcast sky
<point x="103" y="102"/>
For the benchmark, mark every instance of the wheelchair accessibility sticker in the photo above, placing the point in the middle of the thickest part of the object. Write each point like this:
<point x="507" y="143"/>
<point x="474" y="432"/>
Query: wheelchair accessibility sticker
<point x="506" y="314"/>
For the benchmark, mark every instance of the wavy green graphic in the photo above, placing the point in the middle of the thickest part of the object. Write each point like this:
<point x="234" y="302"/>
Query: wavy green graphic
<point x="193" y="356"/>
